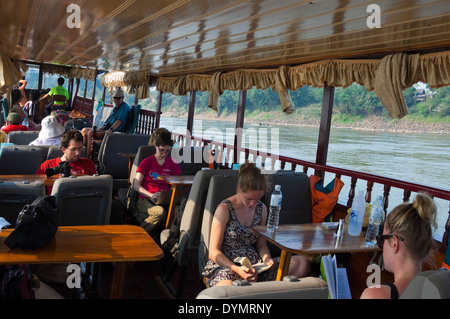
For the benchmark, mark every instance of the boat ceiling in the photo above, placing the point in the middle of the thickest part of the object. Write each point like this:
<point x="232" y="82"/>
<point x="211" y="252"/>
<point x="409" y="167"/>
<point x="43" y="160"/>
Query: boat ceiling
<point x="173" y="37"/>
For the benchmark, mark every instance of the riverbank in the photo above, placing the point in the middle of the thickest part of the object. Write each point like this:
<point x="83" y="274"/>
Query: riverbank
<point x="376" y="123"/>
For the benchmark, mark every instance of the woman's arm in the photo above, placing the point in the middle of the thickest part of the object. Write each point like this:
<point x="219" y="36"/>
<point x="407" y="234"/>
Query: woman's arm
<point x="261" y="245"/>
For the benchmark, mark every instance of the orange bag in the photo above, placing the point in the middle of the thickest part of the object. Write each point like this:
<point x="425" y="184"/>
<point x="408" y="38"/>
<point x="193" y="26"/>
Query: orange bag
<point x="323" y="199"/>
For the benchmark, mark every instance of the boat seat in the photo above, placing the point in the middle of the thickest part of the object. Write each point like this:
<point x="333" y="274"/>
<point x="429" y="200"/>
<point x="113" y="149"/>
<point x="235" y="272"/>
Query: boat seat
<point x="111" y="163"/>
<point x="431" y="284"/>
<point x="56" y="151"/>
<point x="22" y="137"/>
<point x="296" y="203"/>
<point x="13" y="196"/>
<point x="190" y="226"/>
<point x="190" y="159"/>
<point x="20" y="159"/>
<point x="304" y="288"/>
<point x="133" y="119"/>
<point x="220" y="187"/>
<point x="83" y="200"/>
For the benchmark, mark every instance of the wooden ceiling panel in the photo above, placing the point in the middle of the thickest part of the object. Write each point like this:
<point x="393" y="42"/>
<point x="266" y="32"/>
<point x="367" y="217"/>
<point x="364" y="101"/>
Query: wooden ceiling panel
<point x="171" y="37"/>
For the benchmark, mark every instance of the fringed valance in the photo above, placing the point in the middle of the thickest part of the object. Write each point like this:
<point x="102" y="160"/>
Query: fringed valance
<point x="387" y="77"/>
<point x="10" y="71"/>
<point x="131" y="82"/>
<point x="82" y="73"/>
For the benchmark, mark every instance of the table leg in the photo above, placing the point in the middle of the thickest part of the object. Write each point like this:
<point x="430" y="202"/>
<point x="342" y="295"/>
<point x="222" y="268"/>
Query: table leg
<point x="283" y="267"/>
<point x="172" y="205"/>
<point x="120" y="269"/>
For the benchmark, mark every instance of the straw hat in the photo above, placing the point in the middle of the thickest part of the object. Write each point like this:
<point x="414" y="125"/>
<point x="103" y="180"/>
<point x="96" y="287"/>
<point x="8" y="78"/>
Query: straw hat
<point x="50" y="128"/>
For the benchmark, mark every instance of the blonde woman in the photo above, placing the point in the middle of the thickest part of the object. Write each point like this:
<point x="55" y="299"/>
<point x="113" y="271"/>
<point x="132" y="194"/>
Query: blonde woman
<point x="406" y="242"/>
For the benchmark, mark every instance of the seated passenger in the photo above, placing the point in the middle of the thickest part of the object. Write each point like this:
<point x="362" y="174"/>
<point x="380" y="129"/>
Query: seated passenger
<point x="149" y="215"/>
<point x="51" y="132"/>
<point x="60" y="96"/>
<point x="15" y="107"/>
<point x="406" y="241"/>
<point x="231" y="235"/>
<point x="116" y="122"/>
<point x="72" y="144"/>
<point x="13" y="123"/>
<point x="31" y="108"/>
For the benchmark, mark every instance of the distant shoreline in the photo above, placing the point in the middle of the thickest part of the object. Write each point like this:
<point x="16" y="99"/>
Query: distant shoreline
<point x="371" y="123"/>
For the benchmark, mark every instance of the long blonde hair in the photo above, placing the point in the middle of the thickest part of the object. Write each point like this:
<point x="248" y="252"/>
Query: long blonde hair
<point x="415" y="223"/>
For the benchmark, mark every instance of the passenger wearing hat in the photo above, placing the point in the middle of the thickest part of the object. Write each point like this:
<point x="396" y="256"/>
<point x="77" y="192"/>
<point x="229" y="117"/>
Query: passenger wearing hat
<point x="51" y="132"/>
<point x="13" y="123"/>
<point x="116" y="122"/>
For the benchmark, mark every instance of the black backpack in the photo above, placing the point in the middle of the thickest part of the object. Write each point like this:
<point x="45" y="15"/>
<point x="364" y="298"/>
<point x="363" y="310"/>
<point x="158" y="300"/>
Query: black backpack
<point x="171" y="244"/>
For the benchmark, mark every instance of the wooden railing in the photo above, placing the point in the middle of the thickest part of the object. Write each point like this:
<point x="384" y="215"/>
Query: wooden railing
<point x="147" y="122"/>
<point x="269" y="161"/>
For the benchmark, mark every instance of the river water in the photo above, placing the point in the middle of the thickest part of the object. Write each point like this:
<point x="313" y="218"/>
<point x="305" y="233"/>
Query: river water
<point x="421" y="158"/>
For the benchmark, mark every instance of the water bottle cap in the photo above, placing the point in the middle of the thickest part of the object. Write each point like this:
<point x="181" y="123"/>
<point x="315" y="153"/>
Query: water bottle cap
<point x="277" y="186"/>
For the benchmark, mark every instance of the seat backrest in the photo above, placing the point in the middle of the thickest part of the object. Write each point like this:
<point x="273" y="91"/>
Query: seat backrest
<point x="304" y="288"/>
<point x="56" y="151"/>
<point x="110" y="162"/>
<point x="191" y="220"/>
<point x="431" y="284"/>
<point x="220" y="187"/>
<point x="296" y="203"/>
<point x="13" y="196"/>
<point x="190" y="159"/>
<point x="144" y="151"/>
<point x="22" y="137"/>
<point x="83" y="200"/>
<point x="133" y="119"/>
<point x="20" y="159"/>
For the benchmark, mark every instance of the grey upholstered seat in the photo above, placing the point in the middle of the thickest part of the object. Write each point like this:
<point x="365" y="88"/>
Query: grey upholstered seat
<point x="431" y="284"/>
<point x="13" y="196"/>
<point x="304" y="288"/>
<point x="22" y="137"/>
<point x="83" y="200"/>
<point x="20" y="159"/>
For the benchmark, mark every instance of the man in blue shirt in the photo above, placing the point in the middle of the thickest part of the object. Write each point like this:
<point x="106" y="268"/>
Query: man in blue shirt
<point x="116" y="122"/>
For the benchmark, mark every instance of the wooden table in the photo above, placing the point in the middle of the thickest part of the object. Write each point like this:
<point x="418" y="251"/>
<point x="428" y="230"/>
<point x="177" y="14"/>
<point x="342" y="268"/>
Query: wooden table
<point x="48" y="181"/>
<point x="177" y="182"/>
<point x="100" y="243"/>
<point x="310" y="239"/>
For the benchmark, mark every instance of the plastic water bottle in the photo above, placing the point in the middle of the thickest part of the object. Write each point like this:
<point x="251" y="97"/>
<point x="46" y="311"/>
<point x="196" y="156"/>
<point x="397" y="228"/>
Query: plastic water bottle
<point x="25" y="122"/>
<point x="357" y="215"/>
<point x="274" y="209"/>
<point x="376" y="216"/>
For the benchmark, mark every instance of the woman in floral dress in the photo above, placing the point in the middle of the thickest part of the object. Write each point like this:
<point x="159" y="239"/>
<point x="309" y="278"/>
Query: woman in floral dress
<point x="231" y="235"/>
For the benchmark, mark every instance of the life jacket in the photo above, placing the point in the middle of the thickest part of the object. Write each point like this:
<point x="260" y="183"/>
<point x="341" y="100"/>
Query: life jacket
<point x="323" y="199"/>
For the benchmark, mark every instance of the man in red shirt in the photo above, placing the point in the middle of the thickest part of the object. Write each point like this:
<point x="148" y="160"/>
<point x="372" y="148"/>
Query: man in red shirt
<point x="72" y="144"/>
<point x="13" y="123"/>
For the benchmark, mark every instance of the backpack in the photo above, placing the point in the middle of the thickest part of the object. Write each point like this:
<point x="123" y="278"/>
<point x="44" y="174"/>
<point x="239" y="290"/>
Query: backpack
<point x="16" y="282"/>
<point x="171" y="245"/>
<point x="77" y="124"/>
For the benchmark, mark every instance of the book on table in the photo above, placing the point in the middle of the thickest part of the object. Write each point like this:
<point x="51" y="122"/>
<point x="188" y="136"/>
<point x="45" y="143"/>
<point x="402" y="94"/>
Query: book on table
<point x="336" y="278"/>
<point x="244" y="261"/>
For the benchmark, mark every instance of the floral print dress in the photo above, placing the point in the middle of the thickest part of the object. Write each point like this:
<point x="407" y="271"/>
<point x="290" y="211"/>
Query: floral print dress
<point x="239" y="241"/>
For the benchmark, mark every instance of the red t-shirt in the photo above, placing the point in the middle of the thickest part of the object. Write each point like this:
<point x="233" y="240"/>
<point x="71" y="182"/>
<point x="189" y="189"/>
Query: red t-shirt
<point x="10" y="128"/>
<point x="83" y="166"/>
<point x="150" y="168"/>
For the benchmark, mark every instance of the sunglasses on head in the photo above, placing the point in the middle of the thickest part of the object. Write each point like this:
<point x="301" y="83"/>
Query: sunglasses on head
<point x="382" y="238"/>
